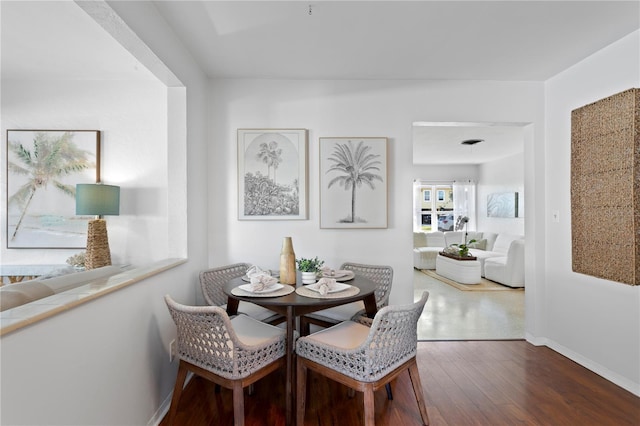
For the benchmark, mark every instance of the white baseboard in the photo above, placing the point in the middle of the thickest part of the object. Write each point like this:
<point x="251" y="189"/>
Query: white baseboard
<point x="162" y="411"/>
<point x="587" y="363"/>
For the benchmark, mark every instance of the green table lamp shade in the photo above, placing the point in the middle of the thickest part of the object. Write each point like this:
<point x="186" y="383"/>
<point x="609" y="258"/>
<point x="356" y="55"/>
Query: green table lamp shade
<point x="97" y="199"/>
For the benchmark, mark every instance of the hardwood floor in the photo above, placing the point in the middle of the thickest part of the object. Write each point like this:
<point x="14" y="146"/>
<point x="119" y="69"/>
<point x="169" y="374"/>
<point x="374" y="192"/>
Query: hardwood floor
<point x="465" y="383"/>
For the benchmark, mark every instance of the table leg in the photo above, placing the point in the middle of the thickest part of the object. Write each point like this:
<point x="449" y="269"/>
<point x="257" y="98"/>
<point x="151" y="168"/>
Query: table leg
<point x="232" y="306"/>
<point x="290" y="386"/>
<point x="370" y="305"/>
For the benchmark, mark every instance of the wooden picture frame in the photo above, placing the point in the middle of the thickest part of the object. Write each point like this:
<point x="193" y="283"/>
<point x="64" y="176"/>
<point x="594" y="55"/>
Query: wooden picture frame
<point x="43" y="168"/>
<point x="272" y="174"/>
<point x="348" y="199"/>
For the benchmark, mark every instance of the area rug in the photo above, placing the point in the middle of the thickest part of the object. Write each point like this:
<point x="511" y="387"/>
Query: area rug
<point x="485" y="285"/>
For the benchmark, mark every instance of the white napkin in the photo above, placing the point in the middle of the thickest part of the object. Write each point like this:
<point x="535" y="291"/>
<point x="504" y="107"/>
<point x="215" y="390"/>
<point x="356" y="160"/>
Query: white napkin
<point x="325" y="285"/>
<point x="328" y="272"/>
<point x="255" y="270"/>
<point x="261" y="282"/>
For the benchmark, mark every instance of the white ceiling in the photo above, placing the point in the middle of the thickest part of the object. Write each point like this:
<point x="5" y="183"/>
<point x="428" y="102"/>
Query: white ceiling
<point x="477" y="40"/>
<point x="471" y="40"/>
<point x="440" y="143"/>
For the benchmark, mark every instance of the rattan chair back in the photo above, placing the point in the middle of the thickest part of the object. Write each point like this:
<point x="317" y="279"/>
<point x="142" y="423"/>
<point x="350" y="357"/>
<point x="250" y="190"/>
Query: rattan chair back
<point x="212" y="280"/>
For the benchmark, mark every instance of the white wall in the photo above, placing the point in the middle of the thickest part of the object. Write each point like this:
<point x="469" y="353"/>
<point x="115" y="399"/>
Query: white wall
<point x="444" y="173"/>
<point x="344" y="108"/>
<point x="592" y="320"/>
<point x="502" y="175"/>
<point x="132" y="118"/>
<point x="106" y="362"/>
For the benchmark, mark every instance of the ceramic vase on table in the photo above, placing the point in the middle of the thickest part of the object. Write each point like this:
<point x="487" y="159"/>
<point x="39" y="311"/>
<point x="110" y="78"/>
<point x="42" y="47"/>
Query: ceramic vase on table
<point x="309" y="277"/>
<point x="287" y="262"/>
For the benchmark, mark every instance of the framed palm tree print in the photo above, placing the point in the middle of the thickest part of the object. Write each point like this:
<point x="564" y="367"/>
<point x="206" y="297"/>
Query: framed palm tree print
<point x="272" y="174"/>
<point x="353" y="182"/>
<point x="43" y="168"/>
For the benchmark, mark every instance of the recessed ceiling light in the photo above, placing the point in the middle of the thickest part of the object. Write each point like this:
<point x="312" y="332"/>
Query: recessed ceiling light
<point x="472" y="141"/>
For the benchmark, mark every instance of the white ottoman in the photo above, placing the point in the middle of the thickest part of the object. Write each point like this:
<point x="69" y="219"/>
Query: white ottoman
<point x="425" y="257"/>
<point x="462" y="271"/>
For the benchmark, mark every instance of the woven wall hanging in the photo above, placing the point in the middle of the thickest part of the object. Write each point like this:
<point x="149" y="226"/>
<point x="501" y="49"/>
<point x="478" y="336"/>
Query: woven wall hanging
<point x="605" y="188"/>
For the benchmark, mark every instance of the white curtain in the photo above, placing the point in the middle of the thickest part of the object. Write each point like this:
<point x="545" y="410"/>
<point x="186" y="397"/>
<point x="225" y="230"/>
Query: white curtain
<point x="464" y="202"/>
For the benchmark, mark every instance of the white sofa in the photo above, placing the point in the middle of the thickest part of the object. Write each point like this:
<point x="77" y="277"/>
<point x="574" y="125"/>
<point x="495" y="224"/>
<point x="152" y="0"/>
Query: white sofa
<point x="13" y="295"/>
<point x="509" y="269"/>
<point x="489" y="245"/>
<point x="427" y="245"/>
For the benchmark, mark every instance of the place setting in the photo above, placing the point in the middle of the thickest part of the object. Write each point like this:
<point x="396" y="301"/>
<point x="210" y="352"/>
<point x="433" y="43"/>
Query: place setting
<point x="329" y="285"/>
<point x="340" y="275"/>
<point x="261" y="283"/>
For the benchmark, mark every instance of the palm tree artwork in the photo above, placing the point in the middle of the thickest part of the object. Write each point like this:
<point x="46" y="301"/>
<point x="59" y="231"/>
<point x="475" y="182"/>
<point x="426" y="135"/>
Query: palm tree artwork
<point x="271" y="155"/>
<point x="272" y="165"/>
<point x="53" y="157"/>
<point x="356" y="166"/>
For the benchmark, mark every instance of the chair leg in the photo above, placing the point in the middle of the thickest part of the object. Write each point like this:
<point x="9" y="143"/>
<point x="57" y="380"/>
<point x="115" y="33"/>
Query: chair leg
<point x="238" y="403"/>
<point x="369" y="408"/>
<point x="414" y="375"/>
<point x="301" y="392"/>
<point x="389" y="392"/>
<point x="305" y="327"/>
<point x="177" y="391"/>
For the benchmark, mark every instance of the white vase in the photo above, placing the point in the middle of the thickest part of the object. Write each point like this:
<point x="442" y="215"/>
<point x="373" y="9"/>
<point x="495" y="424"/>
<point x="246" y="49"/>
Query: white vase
<point x="309" y="277"/>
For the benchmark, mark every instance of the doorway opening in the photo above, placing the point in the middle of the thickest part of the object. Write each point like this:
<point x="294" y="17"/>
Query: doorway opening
<point x="495" y="165"/>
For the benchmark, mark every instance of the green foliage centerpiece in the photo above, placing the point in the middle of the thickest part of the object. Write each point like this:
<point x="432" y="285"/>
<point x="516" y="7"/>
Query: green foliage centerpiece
<point x="309" y="268"/>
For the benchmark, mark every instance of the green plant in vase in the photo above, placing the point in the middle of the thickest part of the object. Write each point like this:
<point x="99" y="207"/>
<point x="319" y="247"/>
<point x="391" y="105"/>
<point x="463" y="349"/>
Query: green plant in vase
<point x="309" y="269"/>
<point x="463" y="249"/>
<point x="309" y="265"/>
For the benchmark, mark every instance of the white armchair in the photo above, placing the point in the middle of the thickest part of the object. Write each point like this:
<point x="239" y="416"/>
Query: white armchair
<point x="509" y="269"/>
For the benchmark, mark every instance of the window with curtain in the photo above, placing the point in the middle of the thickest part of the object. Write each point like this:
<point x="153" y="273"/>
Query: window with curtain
<point x="438" y="205"/>
<point x="464" y="204"/>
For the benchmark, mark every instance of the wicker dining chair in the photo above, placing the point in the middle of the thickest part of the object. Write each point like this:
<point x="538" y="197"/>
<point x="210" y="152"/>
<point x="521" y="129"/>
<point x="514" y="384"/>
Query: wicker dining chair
<point x="381" y="275"/>
<point x="364" y="358"/>
<point x="212" y="280"/>
<point x="231" y="352"/>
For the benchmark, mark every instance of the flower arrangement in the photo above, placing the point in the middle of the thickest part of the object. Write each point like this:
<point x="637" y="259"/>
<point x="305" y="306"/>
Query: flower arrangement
<point x="461" y="222"/>
<point x="309" y="265"/>
<point x="77" y="260"/>
<point x="463" y="249"/>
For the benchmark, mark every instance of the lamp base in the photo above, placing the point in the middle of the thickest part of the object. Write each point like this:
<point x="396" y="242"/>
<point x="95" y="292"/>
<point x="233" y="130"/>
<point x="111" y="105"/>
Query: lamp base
<point x="98" y="253"/>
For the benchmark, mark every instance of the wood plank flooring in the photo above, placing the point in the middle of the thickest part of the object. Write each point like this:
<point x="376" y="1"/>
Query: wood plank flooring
<point x="465" y="383"/>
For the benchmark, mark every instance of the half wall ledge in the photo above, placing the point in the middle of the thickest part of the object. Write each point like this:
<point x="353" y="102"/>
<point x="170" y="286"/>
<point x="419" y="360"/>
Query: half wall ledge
<point x="38" y="310"/>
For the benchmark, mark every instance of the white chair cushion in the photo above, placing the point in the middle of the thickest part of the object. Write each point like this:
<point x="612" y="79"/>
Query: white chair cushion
<point x="425" y="257"/>
<point x="507" y="270"/>
<point x="453" y="237"/>
<point x="435" y="239"/>
<point x="253" y="332"/>
<point x="342" y="312"/>
<point x="491" y="239"/>
<point x="346" y="335"/>
<point x="457" y="237"/>
<point x="503" y="241"/>
<point x="473" y="235"/>
<point x="253" y="310"/>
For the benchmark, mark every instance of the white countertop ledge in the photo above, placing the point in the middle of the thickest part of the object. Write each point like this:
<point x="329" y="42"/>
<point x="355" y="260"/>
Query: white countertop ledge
<point x="38" y="310"/>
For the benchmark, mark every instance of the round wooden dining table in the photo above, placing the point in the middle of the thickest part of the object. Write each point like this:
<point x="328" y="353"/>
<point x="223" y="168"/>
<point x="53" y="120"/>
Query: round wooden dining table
<point x="294" y="305"/>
